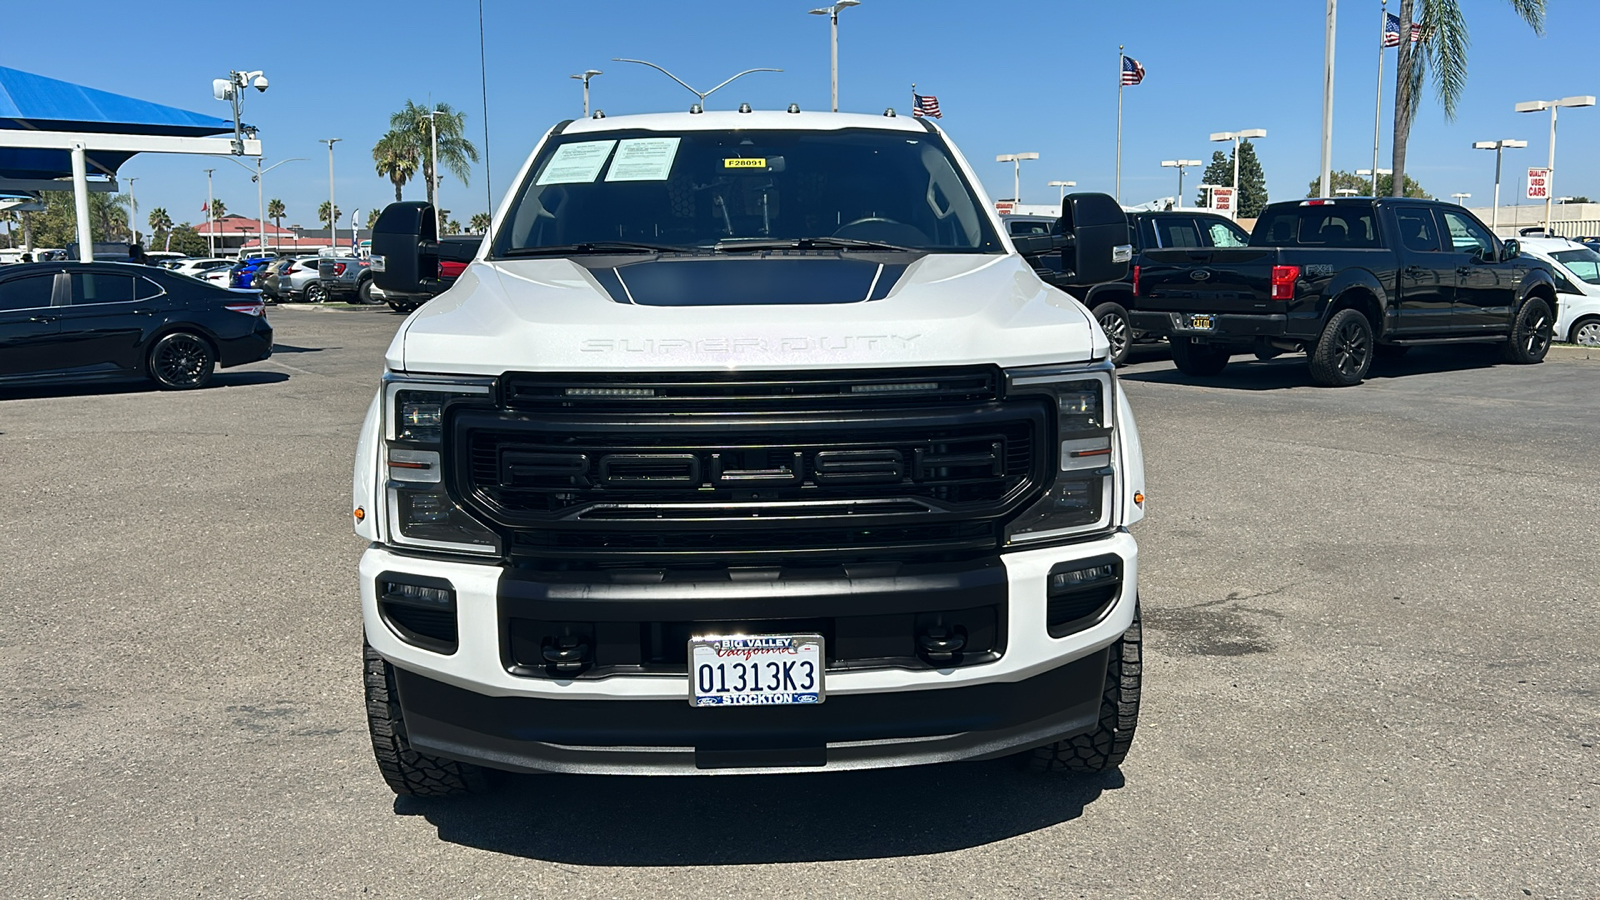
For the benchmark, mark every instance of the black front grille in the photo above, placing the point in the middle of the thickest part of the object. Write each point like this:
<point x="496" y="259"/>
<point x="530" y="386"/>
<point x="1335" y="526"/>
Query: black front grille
<point x="655" y="468"/>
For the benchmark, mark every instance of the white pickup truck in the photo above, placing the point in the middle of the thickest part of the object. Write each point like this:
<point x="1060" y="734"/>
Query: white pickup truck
<point x="747" y="442"/>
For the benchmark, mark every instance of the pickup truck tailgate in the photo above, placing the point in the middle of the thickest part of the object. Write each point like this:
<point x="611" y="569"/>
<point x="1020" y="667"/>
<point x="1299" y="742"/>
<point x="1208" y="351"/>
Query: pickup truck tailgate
<point x="1207" y="279"/>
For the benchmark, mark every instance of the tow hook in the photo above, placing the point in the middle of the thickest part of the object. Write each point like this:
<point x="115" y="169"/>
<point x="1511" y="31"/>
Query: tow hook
<point x="938" y="644"/>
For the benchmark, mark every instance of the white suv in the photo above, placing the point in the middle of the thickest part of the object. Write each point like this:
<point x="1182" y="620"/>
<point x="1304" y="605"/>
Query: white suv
<point x="1577" y="271"/>
<point x="747" y="442"/>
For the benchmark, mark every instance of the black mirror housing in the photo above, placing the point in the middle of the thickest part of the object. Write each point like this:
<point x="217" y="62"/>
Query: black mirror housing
<point x="406" y="251"/>
<point x="1096" y="231"/>
<point x="1031" y="245"/>
<point x="1511" y="249"/>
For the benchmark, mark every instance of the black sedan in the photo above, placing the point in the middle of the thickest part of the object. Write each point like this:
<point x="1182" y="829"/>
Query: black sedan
<point x="108" y="321"/>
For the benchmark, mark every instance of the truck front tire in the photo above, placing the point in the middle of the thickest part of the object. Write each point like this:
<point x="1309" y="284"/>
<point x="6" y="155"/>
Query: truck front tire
<point x="1343" y="353"/>
<point x="1530" y="333"/>
<point x="1107" y="745"/>
<point x="408" y="773"/>
<point x="1113" y="319"/>
<point x="1197" y="359"/>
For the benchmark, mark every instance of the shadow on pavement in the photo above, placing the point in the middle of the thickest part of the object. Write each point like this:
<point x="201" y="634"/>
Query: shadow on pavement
<point x="742" y="820"/>
<point x="289" y="348"/>
<point x="1246" y="373"/>
<point x="133" y="386"/>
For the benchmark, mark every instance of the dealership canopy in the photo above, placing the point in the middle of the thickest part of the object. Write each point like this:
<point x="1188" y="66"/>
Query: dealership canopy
<point x="51" y="130"/>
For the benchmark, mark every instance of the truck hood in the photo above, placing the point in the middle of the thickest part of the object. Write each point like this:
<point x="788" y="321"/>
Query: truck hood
<point x="555" y="315"/>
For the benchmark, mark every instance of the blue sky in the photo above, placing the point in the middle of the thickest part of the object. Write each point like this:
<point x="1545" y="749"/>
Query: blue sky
<point x="1016" y="77"/>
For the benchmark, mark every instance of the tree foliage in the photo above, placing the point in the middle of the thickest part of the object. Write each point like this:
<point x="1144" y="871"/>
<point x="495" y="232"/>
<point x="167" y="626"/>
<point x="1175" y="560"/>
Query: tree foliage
<point x="218" y="209"/>
<point x="396" y="157"/>
<point x="411" y="134"/>
<point x="1362" y="185"/>
<point x="1441" y="56"/>
<point x="480" y="223"/>
<point x="322" y="214"/>
<point x="1252" y="179"/>
<point x="57" y="224"/>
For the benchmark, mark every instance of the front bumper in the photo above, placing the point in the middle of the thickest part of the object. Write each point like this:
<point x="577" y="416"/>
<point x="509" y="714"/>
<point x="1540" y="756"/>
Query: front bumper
<point x="472" y="705"/>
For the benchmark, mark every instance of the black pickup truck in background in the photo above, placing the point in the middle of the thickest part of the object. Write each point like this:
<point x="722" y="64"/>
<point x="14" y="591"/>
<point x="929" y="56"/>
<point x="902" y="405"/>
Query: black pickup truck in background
<point x="1345" y="280"/>
<point x="1111" y="304"/>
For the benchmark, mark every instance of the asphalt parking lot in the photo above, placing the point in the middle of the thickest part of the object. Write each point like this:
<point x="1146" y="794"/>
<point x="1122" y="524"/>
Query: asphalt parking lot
<point x="1371" y="667"/>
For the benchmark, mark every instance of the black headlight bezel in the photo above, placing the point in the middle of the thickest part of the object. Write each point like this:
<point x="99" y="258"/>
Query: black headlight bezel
<point x="457" y="530"/>
<point x="1081" y="496"/>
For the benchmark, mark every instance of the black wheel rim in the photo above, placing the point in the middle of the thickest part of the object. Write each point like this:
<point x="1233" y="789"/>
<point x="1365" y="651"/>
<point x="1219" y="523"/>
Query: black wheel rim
<point x="1351" y="347"/>
<point x="1116" y="329"/>
<point x="1539" y="327"/>
<point x="182" y="360"/>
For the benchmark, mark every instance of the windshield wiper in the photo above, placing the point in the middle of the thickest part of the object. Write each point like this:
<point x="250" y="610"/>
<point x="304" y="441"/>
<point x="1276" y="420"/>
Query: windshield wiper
<point x="808" y="243"/>
<point x="587" y="247"/>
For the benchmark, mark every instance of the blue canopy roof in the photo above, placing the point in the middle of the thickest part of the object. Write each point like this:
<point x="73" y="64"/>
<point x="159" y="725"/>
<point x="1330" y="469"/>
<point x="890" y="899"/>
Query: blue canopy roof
<point x="37" y="103"/>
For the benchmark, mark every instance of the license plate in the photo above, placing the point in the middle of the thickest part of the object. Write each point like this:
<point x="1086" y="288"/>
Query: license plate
<point x="1200" y="323"/>
<point x="755" y="669"/>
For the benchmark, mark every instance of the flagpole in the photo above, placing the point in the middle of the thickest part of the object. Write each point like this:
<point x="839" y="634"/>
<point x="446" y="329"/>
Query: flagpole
<point x="1377" y="117"/>
<point x="1327" y="98"/>
<point x="1119" y="122"/>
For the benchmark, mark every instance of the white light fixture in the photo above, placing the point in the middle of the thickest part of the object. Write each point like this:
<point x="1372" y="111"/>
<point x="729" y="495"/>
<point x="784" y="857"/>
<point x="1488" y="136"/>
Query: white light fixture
<point x="1499" y="147"/>
<point x="584" y="77"/>
<point x="1552" y="105"/>
<point x="832" y="12"/>
<point x="1063" y="185"/>
<point x="1016" y="175"/>
<point x="1236" y="137"/>
<point x="1180" y="165"/>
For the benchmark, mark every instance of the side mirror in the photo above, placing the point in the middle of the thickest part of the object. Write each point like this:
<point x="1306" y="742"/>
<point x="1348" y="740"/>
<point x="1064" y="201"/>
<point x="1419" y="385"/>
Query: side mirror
<point x="1097" y="249"/>
<point x="407" y="256"/>
<point x="1511" y="249"/>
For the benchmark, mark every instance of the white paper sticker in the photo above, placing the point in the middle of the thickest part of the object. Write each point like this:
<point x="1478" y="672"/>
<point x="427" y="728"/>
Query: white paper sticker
<point x="576" y="163"/>
<point x="643" y="159"/>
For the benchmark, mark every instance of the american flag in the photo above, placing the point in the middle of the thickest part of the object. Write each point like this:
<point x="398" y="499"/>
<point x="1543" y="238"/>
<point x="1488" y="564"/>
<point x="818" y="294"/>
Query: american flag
<point x="925" y="105"/>
<point x="1391" y="31"/>
<point x="1132" y="72"/>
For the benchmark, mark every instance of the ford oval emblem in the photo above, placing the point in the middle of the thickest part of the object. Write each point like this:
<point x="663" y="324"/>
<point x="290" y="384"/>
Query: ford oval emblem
<point x="1199" y="274"/>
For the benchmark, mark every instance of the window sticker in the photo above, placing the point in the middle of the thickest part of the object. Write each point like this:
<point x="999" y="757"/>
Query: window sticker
<point x="643" y="159"/>
<point x="743" y="163"/>
<point x="576" y="163"/>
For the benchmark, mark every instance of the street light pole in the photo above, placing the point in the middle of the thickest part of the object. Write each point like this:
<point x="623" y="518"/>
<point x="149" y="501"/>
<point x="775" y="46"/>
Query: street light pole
<point x="1016" y="175"/>
<point x="587" y="74"/>
<point x="433" y="128"/>
<point x="1180" y="165"/>
<point x="1460" y="197"/>
<point x="1063" y="185"/>
<point x="133" y="209"/>
<point x="832" y="12"/>
<point x="1327" y="97"/>
<point x="1552" y="105"/>
<point x="1236" y="136"/>
<point x="1499" y="148"/>
<point x="211" y="229"/>
<point x="333" y="211"/>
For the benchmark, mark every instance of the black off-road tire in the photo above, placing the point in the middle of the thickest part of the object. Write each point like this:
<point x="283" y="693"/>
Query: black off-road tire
<point x="1530" y="333"/>
<point x="1343" y="354"/>
<point x="1113" y="318"/>
<point x="1107" y="745"/>
<point x="407" y="772"/>
<point x="1202" y="360"/>
<point x="181" y="361"/>
<point x="364" y="292"/>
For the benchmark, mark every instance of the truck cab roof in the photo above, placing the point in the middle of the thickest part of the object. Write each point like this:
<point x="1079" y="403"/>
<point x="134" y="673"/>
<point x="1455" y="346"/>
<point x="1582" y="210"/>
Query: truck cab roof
<point x="726" y="120"/>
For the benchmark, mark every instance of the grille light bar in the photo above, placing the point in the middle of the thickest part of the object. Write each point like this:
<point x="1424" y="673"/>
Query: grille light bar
<point x="901" y="386"/>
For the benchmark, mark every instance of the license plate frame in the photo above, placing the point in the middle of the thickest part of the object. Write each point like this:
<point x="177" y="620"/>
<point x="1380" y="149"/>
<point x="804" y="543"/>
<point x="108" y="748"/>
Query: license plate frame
<point x="1202" y="322"/>
<point x="721" y="674"/>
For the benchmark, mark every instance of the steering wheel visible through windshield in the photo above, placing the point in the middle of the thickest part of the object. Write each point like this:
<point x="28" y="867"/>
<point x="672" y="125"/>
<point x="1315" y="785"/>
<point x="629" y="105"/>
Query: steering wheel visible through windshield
<point x="733" y="190"/>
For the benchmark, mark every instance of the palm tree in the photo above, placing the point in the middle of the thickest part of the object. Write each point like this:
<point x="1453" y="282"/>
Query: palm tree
<point x="412" y="126"/>
<point x="218" y="209"/>
<point x="480" y="223"/>
<point x="1442" y="52"/>
<point x="161" y="226"/>
<point x="372" y="218"/>
<point x="275" y="213"/>
<point x="452" y="227"/>
<point x="322" y="216"/>
<point x="396" y="157"/>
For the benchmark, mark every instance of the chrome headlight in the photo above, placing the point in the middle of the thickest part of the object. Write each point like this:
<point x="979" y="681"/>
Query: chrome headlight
<point x="421" y="512"/>
<point x="1081" y="498"/>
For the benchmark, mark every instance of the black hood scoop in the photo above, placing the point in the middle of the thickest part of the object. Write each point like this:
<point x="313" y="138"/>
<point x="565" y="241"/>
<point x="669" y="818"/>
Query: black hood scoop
<point x="748" y="280"/>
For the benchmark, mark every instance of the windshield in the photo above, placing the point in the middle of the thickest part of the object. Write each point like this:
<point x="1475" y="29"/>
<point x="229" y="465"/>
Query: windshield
<point x="1583" y="263"/>
<point x="855" y="189"/>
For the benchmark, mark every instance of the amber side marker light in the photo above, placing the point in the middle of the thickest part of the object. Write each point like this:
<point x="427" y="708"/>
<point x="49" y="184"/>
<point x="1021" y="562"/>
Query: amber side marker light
<point x="1138" y="498"/>
<point x="360" y="514"/>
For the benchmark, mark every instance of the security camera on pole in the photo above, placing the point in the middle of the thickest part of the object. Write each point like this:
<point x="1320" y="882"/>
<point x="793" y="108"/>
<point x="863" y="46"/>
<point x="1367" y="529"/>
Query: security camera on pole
<point x="1180" y="165"/>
